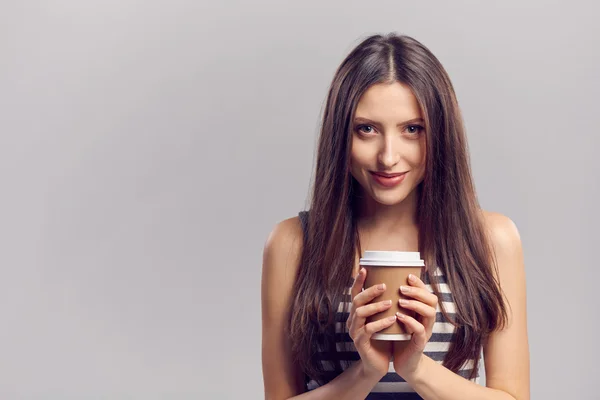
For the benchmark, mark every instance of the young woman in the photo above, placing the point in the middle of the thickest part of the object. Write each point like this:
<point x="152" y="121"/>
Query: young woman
<point x="393" y="173"/>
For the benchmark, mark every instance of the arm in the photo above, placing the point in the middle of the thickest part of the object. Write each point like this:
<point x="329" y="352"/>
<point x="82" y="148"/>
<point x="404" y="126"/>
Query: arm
<point x="506" y="352"/>
<point x="282" y="378"/>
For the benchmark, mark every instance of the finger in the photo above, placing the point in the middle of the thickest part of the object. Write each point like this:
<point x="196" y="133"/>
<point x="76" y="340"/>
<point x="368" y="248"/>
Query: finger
<point x="357" y="285"/>
<point x="359" y="281"/>
<point x="414" y="280"/>
<point x="420" y="308"/>
<point x="374" y="327"/>
<point x="367" y="295"/>
<point x="367" y="310"/>
<point x="372" y="309"/>
<point x="362" y="313"/>
<point x="419" y="333"/>
<point x="420" y="294"/>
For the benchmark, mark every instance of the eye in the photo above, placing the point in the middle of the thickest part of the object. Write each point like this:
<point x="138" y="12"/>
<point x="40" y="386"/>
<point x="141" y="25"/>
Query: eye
<point x="365" y="129"/>
<point x="414" y="130"/>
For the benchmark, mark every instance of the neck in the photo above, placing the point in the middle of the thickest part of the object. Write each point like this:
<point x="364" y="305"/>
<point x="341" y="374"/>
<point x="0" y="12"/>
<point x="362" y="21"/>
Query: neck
<point x="395" y="219"/>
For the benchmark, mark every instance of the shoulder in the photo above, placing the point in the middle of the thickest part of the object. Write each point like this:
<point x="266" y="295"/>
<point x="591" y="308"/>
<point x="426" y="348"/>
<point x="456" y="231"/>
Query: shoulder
<point x="281" y="259"/>
<point x="508" y="371"/>
<point x="502" y="232"/>
<point x="507" y="251"/>
<point x="282" y="252"/>
<point x="285" y="239"/>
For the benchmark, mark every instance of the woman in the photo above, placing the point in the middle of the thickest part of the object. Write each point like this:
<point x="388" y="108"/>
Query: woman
<point x="393" y="173"/>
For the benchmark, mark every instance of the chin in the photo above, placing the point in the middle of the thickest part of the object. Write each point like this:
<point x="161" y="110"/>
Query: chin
<point x="389" y="199"/>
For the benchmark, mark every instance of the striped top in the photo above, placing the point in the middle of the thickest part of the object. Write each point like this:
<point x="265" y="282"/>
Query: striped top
<point x="392" y="386"/>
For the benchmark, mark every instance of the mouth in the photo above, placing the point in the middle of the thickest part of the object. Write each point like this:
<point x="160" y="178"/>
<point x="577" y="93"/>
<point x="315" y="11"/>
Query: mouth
<point x="388" y="180"/>
<point x="386" y="175"/>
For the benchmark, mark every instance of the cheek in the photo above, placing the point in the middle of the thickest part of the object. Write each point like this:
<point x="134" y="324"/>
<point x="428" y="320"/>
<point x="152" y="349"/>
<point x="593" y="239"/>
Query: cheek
<point x="421" y="161"/>
<point x="355" y="166"/>
<point x="360" y="156"/>
<point x="422" y="152"/>
<point x="416" y="156"/>
<point x="423" y="158"/>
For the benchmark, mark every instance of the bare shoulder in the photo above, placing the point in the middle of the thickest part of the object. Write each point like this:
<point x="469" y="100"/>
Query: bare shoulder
<point x="504" y="237"/>
<point x="283" y="248"/>
<point x="508" y="257"/>
<point x="506" y="350"/>
<point x="281" y="259"/>
<point x="502" y="230"/>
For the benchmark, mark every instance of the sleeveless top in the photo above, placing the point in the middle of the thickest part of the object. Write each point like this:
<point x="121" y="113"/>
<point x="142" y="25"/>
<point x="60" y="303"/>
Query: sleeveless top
<point x="392" y="386"/>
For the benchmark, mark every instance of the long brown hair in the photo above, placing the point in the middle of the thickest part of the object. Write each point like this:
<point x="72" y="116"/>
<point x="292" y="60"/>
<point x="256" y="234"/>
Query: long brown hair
<point x="451" y="233"/>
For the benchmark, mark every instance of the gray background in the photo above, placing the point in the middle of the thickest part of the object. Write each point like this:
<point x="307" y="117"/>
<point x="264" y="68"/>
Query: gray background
<point x="147" y="149"/>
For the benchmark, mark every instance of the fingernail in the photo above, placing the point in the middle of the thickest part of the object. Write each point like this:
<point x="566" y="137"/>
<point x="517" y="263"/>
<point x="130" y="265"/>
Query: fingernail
<point x="411" y="277"/>
<point x="387" y="302"/>
<point x="404" y="289"/>
<point x="400" y="316"/>
<point x="381" y="287"/>
<point x="392" y="318"/>
<point x="403" y="302"/>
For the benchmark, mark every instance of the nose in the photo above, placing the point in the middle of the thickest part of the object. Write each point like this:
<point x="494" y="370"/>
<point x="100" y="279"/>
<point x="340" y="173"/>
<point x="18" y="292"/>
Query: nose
<point x="389" y="155"/>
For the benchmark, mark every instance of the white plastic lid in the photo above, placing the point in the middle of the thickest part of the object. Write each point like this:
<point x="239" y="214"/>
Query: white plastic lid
<point x="392" y="336"/>
<point x="392" y="259"/>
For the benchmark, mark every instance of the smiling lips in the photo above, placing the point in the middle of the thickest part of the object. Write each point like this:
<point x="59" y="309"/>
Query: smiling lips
<point x="388" y="180"/>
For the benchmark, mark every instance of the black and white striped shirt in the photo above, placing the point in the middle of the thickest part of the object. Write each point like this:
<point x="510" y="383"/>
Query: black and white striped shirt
<point x="392" y="386"/>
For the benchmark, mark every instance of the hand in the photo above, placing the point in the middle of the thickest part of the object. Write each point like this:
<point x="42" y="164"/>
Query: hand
<point x="407" y="355"/>
<point x="375" y="355"/>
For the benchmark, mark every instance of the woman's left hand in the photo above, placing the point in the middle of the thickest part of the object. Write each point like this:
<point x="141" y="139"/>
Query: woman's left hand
<point x="408" y="354"/>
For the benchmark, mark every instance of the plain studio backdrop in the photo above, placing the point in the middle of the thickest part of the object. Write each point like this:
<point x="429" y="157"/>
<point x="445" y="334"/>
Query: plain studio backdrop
<point x="147" y="148"/>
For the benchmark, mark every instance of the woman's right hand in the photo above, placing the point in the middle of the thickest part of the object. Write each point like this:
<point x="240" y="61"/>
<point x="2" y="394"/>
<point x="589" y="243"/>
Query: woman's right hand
<point x="375" y="356"/>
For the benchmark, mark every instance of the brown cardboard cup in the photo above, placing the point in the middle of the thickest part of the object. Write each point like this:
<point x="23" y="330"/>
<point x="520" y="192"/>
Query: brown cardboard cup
<point x="391" y="268"/>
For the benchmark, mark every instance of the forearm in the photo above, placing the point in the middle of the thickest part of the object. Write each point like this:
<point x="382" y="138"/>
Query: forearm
<point x="351" y="384"/>
<point x="432" y="382"/>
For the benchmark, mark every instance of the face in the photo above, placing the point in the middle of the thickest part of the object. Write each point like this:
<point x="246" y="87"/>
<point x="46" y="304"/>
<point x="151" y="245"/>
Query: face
<point x="388" y="143"/>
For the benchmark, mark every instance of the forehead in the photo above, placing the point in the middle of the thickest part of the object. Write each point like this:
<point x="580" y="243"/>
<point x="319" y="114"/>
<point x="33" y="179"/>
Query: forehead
<point x="388" y="101"/>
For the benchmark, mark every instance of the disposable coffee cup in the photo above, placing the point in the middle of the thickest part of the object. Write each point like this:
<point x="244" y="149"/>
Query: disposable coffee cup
<point x="391" y="268"/>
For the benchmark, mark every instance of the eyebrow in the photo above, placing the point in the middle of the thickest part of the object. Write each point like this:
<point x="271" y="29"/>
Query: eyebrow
<point x="410" y="121"/>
